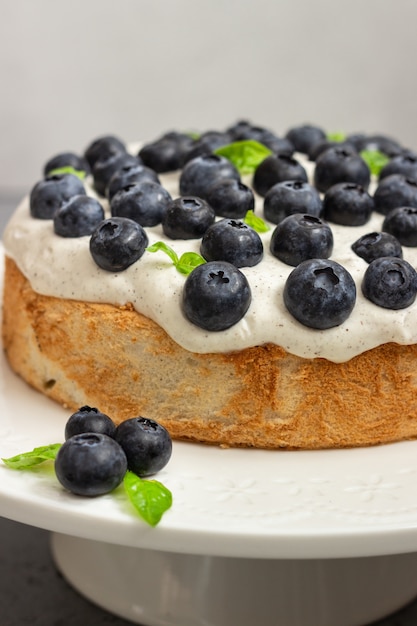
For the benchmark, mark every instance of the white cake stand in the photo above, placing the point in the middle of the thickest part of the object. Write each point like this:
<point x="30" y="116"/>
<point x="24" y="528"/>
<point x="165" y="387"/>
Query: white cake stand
<point x="324" y="538"/>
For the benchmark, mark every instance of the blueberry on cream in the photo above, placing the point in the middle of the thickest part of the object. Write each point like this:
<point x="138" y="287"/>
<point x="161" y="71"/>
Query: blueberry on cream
<point x="187" y="217"/>
<point x="348" y="204"/>
<point x="144" y="201"/>
<point x="117" y="243"/>
<point x="48" y="195"/>
<point x="200" y="173"/>
<point x="390" y="282"/>
<point x="276" y="169"/>
<point x="231" y="198"/>
<point x="300" y="237"/>
<point x="232" y="241"/>
<point x="394" y="191"/>
<point x="78" y="217"/>
<point x="289" y="197"/>
<point x="374" y="245"/>
<point x="340" y="165"/>
<point x="320" y="293"/>
<point x="127" y="174"/>
<point x="216" y="295"/>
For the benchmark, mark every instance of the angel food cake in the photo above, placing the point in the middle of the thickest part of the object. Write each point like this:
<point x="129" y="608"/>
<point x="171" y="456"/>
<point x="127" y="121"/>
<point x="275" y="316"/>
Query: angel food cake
<point x="241" y="288"/>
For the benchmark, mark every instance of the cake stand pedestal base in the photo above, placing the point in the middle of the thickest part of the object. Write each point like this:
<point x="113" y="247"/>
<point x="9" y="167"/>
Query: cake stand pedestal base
<point x="155" y="588"/>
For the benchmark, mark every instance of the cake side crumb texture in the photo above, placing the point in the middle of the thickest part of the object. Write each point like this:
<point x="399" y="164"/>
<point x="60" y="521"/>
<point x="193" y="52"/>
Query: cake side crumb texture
<point x="114" y="358"/>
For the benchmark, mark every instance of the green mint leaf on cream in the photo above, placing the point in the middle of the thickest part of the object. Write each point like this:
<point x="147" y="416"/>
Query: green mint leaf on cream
<point x="337" y="136"/>
<point x="163" y="247"/>
<point x="185" y="264"/>
<point x="245" y="155"/>
<point x="27" y="460"/>
<point x="68" y="169"/>
<point x="255" y="222"/>
<point x="375" y="159"/>
<point x="150" y="498"/>
<point x="189" y="261"/>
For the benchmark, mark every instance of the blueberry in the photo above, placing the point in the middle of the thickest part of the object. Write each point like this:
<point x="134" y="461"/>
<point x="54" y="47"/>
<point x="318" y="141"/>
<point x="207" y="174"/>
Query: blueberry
<point x="117" y="242"/>
<point x="90" y="464"/>
<point x="232" y="241"/>
<point x="216" y="296"/>
<point x="207" y="143"/>
<point x="300" y="237"/>
<point x="187" y="218"/>
<point x="89" y="420"/>
<point x="103" y="148"/>
<point x="339" y="165"/>
<point x="402" y="224"/>
<point x="147" y="445"/>
<point x="384" y="144"/>
<point x="78" y="217"/>
<point x="144" y="202"/>
<point x="320" y="293"/>
<point x="356" y="140"/>
<point x="390" y="282"/>
<point x="276" y="169"/>
<point x="289" y="197"/>
<point x="105" y="168"/>
<point x="130" y="173"/>
<point x="52" y="192"/>
<point x="348" y="204"/>
<point x="394" y="191"/>
<point x="374" y="245"/>
<point x="318" y="148"/>
<point x="305" y="137"/>
<point x="168" y="153"/>
<point x="278" y="145"/>
<point x="404" y="163"/>
<point x="242" y="131"/>
<point x="231" y="198"/>
<point x="202" y="172"/>
<point x="66" y="159"/>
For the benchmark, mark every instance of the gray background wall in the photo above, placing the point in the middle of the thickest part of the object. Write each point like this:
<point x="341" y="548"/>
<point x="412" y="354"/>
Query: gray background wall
<point x="70" y="71"/>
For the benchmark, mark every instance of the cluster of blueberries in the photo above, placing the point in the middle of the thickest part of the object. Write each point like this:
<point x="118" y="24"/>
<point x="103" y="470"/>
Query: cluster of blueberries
<point x="319" y="292"/>
<point x="97" y="454"/>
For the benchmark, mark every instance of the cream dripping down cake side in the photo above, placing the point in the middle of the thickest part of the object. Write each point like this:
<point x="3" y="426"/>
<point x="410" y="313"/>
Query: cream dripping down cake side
<point x="239" y="287"/>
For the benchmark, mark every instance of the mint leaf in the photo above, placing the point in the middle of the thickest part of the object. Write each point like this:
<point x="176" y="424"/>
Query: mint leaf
<point x="185" y="264"/>
<point x="245" y="155"/>
<point x="193" y="134"/>
<point x="375" y="159"/>
<point x="189" y="261"/>
<point x="338" y="136"/>
<point x="68" y="169"/>
<point x="149" y="497"/>
<point x="35" y="457"/>
<point x="161" y="245"/>
<point x="255" y="222"/>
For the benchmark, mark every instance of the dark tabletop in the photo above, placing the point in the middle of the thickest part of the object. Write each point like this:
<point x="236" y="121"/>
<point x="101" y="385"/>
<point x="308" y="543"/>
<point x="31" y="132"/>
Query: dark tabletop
<point x="33" y="593"/>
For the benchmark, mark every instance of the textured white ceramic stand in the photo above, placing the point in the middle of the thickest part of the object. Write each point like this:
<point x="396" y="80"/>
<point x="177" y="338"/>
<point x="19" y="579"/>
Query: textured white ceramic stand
<point x="156" y="588"/>
<point x="253" y="537"/>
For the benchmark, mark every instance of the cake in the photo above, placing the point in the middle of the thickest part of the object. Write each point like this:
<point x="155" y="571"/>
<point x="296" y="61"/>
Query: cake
<point x="119" y="340"/>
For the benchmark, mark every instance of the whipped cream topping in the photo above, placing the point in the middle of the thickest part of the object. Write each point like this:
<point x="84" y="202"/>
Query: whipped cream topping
<point x="64" y="268"/>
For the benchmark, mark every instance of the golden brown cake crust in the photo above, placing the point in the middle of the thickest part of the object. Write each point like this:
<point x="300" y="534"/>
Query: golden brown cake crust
<point x="116" y="359"/>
